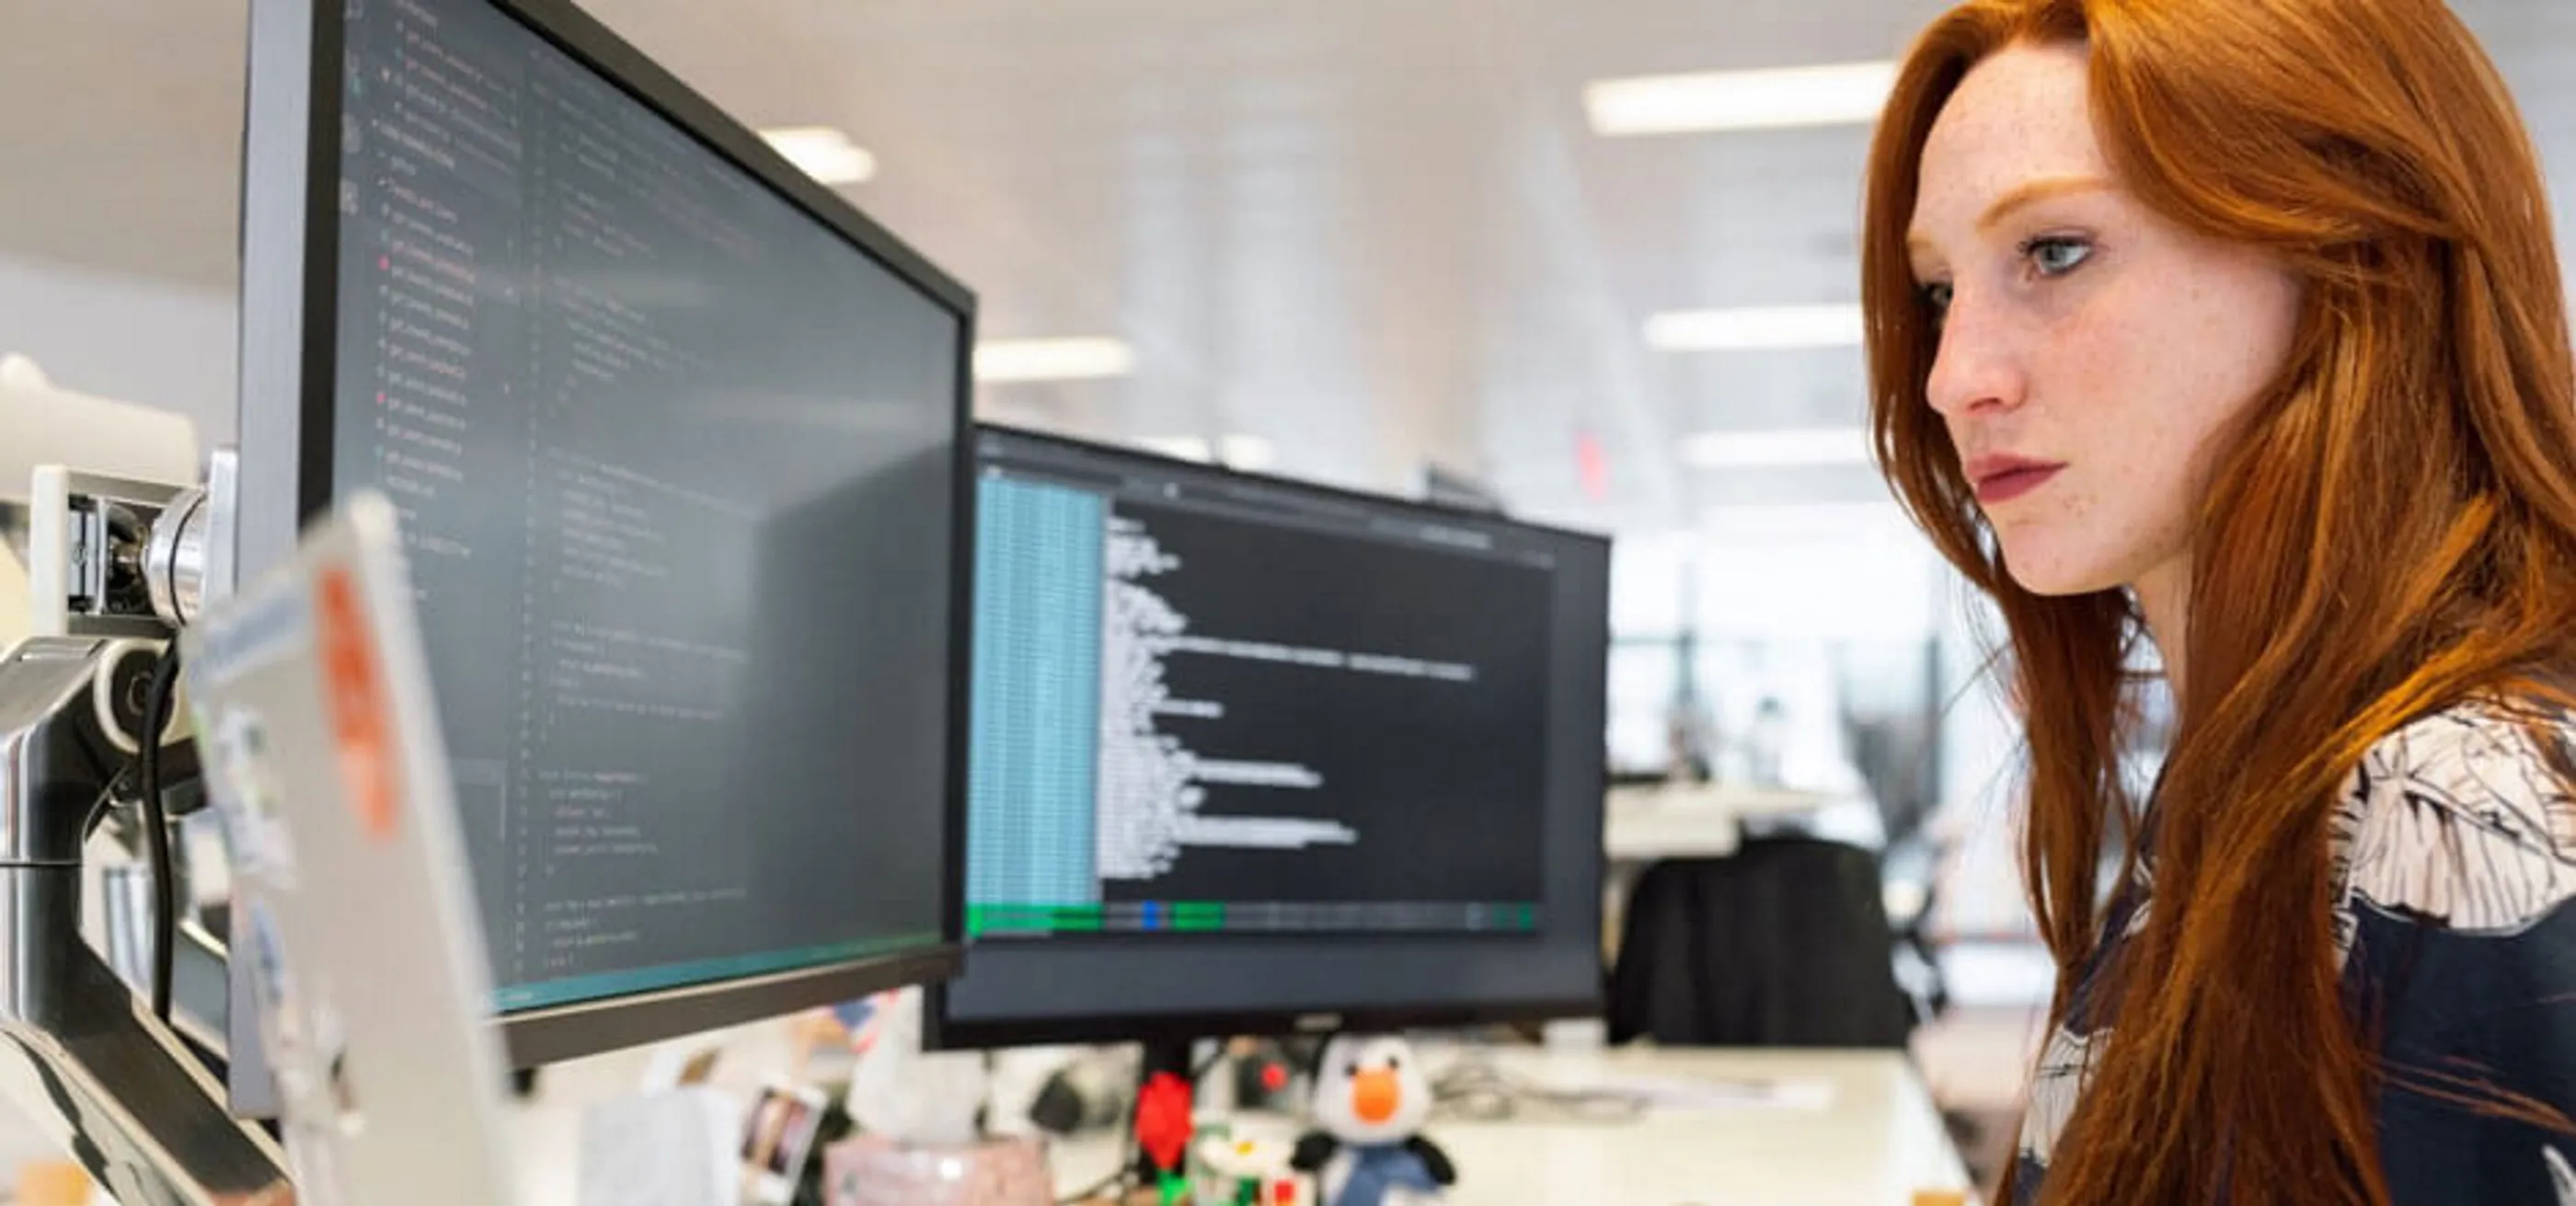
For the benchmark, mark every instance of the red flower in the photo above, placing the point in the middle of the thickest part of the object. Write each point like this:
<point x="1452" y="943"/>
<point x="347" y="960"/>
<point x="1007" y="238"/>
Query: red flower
<point x="1163" y="1119"/>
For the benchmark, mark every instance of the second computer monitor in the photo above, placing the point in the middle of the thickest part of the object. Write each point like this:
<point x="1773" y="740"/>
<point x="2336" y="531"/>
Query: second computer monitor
<point x="1249" y="756"/>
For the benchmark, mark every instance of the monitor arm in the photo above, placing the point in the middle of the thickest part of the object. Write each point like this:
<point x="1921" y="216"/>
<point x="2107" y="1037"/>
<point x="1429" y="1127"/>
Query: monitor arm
<point x="86" y="1060"/>
<point x="88" y="1063"/>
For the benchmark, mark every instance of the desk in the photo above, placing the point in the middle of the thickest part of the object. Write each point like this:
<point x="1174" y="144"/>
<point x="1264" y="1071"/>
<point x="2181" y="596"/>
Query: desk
<point x="1877" y="1141"/>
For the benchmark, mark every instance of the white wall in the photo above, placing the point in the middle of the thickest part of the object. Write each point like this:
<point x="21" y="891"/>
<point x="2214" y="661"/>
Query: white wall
<point x="126" y="338"/>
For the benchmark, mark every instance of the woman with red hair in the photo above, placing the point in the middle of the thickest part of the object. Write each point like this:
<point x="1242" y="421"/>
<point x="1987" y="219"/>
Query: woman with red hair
<point x="2235" y="326"/>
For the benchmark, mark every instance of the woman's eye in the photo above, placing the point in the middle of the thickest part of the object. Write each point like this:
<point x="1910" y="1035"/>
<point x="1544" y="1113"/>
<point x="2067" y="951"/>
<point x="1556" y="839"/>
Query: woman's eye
<point x="2056" y="256"/>
<point x="1936" y="296"/>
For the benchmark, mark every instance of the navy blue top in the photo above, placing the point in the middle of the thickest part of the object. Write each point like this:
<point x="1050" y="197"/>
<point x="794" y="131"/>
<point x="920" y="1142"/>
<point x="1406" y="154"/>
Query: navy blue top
<point x="2454" y="862"/>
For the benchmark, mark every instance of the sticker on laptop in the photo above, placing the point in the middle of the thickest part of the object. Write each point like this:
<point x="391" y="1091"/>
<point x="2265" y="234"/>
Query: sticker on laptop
<point x="361" y="714"/>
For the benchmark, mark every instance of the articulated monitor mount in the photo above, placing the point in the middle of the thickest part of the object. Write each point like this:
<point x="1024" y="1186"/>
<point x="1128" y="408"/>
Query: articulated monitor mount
<point x="118" y="566"/>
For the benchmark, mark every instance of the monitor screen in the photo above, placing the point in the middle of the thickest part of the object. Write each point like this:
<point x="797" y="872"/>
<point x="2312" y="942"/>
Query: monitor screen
<point x="1244" y="751"/>
<point x="675" y="438"/>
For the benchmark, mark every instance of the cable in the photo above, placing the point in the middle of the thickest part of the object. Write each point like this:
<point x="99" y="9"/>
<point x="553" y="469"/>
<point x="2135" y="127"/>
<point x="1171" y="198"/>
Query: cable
<point x="156" y="824"/>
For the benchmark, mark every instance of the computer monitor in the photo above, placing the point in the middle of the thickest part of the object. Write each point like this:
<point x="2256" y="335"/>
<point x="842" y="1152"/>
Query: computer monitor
<point x="676" y="435"/>
<point x="1251" y="756"/>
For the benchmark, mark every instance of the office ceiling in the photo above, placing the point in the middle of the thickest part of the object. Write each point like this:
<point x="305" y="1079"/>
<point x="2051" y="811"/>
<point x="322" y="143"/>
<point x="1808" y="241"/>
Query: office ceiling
<point x="1368" y="232"/>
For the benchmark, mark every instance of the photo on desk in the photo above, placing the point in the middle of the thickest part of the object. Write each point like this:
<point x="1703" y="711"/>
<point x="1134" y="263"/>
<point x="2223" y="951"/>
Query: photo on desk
<point x="776" y="1137"/>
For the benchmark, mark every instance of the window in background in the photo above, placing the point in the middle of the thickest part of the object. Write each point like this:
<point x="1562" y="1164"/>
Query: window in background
<point x="1646" y="698"/>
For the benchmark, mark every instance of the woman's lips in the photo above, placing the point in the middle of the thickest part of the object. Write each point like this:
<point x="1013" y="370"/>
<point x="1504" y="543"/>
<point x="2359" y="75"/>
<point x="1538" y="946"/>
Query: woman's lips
<point x="2003" y="479"/>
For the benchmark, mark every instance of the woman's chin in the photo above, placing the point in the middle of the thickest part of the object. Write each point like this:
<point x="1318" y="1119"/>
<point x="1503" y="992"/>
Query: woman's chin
<point x="2056" y="576"/>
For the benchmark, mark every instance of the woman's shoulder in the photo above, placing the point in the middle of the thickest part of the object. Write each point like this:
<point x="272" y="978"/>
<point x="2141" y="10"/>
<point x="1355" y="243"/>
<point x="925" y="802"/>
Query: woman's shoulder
<point x="2465" y="817"/>
<point x="2458" y="833"/>
<point x="2483" y="749"/>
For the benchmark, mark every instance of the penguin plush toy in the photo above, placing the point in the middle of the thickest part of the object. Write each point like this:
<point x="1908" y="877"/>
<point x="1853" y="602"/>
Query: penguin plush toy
<point x="1371" y="1099"/>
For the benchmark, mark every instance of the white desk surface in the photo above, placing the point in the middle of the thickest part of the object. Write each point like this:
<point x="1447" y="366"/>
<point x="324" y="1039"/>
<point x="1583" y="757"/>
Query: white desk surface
<point x="1874" y="1143"/>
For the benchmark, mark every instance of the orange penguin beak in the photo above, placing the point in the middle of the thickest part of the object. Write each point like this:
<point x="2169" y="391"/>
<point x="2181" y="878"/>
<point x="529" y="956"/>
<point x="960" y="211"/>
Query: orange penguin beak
<point x="1375" y="1095"/>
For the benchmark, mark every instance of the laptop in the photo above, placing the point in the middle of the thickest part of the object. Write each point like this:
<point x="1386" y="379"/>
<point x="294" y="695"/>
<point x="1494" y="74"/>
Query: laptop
<point x="319" y="737"/>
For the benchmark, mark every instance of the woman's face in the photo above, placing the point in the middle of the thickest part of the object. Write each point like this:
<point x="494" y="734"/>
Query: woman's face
<point x="2090" y="350"/>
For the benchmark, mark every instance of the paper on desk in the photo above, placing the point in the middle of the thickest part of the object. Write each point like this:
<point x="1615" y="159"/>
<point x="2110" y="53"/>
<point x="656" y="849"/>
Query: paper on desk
<point x="1689" y="1094"/>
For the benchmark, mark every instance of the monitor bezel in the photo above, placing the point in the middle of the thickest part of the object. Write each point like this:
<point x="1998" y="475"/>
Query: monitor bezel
<point x="290" y="232"/>
<point x="943" y="1032"/>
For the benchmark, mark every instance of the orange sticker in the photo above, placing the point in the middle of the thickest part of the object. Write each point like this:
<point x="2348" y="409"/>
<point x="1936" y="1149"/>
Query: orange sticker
<point x="361" y="717"/>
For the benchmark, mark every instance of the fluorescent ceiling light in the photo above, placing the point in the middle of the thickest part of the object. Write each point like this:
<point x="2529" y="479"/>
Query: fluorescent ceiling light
<point x="999" y="360"/>
<point x="1834" y="94"/>
<point x="824" y="153"/>
<point x="1777" y="449"/>
<point x="1755" y="327"/>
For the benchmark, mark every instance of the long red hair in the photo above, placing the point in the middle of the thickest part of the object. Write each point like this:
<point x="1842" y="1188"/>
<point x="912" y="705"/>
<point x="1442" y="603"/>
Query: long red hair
<point x="2390" y="530"/>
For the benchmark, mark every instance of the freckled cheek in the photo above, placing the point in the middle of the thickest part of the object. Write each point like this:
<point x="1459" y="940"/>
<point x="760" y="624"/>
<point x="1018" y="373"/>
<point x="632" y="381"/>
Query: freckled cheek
<point x="2139" y="508"/>
<point x="2135" y="397"/>
<point x="2094" y="359"/>
<point x="2085" y="388"/>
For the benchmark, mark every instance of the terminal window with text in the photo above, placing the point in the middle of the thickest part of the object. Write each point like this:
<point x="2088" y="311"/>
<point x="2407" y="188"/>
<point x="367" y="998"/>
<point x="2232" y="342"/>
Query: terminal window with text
<point x="1206" y="703"/>
<point x="622" y="391"/>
